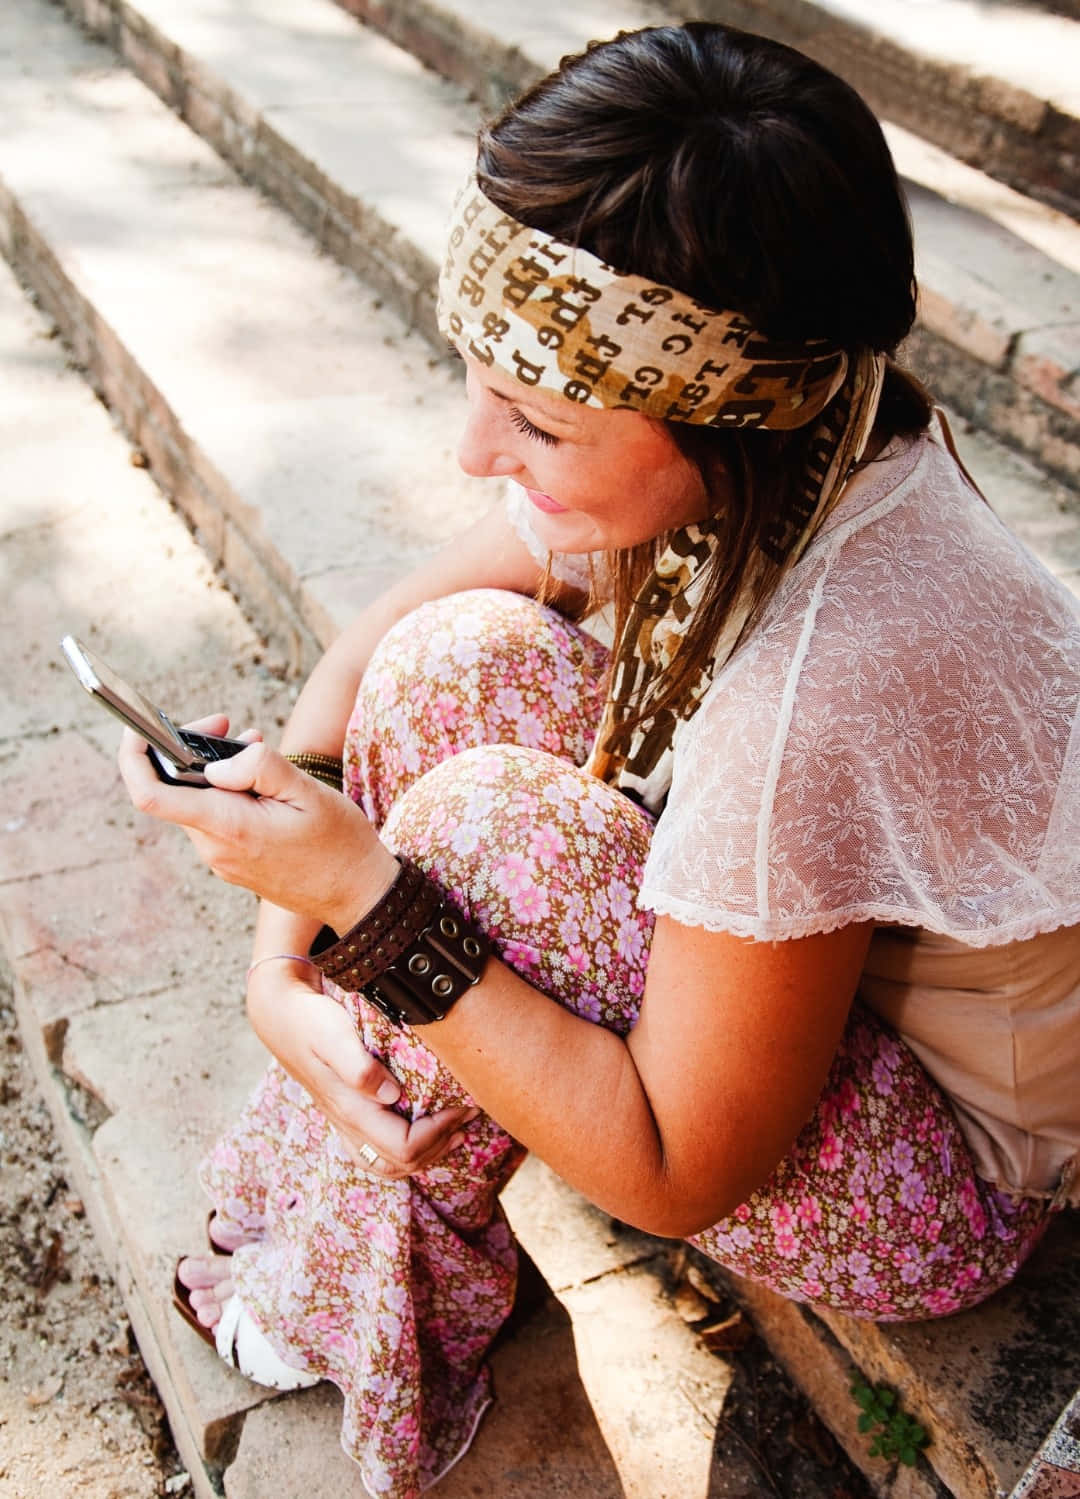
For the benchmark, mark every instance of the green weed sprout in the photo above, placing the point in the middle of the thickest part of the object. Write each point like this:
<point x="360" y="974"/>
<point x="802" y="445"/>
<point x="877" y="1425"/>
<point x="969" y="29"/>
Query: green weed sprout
<point x="896" y="1434"/>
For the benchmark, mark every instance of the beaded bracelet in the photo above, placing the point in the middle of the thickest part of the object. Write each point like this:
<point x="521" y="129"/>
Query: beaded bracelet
<point x="277" y="957"/>
<point x="325" y="768"/>
<point x="413" y="955"/>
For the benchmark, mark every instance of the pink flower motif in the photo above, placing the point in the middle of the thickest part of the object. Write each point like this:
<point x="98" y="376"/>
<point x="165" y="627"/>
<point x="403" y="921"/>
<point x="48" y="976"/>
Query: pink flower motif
<point x="883" y="1078"/>
<point x="903" y="1156"/>
<point x="742" y="1212"/>
<point x="530" y="731"/>
<point x="589" y="1008"/>
<point x="941" y="1301"/>
<point x="531" y="903"/>
<point x="629" y="941"/>
<point x="860" y="1210"/>
<point x="809" y="1211"/>
<point x="787" y="1244"/>
<point x="593" y="927"/>
<point x="620" y="900"/>
<point x="569" y="932"/>
<point x="509" y="702"/>
<point x="547" y="845"/>
<point x="831" y="1153"/>
<point x="968" y="1276"/>
<point x="741" y="1236"/>
<point x="575" y="905"/>
<point x="513" y="874"/>
<point x="593" y="817"/>
<point x="465" y="839"/>
<point x="578" y="959"/>
<point x="522" y="957"/>
<point x="446" y="709"/>
<point x="912" y="1191"/>
<point x="226" y="1158"/>
<point x="406" y="1427"/>
<point x="781" y="1215"/>
<point x="382" y="1236"/>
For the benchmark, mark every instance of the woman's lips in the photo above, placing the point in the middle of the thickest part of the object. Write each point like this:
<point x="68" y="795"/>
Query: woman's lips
<point x="545" y="502"/>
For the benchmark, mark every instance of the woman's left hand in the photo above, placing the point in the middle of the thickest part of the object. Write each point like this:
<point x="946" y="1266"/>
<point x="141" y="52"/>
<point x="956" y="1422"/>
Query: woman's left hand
<point x="295" y="843"/>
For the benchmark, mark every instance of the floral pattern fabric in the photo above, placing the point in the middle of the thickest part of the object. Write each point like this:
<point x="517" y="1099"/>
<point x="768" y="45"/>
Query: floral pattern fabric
<point x="465" y="748"/>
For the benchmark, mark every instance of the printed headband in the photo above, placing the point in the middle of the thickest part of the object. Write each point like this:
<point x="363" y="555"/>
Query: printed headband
<point x="558" y="319"/>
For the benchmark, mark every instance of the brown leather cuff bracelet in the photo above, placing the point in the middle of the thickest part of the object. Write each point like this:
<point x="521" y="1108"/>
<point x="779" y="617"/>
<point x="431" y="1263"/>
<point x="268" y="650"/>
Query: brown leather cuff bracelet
<point x="413" y="956"/>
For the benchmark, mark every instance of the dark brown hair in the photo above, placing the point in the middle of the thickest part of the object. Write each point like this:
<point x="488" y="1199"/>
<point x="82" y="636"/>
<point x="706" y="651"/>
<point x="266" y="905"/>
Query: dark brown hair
<point x="743" y="173"/>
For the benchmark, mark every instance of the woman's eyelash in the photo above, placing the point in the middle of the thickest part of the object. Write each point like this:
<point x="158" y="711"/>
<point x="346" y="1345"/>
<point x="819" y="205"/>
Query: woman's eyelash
<point x="530" y="429"/>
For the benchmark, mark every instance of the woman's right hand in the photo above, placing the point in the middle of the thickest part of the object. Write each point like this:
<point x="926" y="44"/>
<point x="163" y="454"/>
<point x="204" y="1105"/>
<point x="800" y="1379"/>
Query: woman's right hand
<point x="315" y="1041"/>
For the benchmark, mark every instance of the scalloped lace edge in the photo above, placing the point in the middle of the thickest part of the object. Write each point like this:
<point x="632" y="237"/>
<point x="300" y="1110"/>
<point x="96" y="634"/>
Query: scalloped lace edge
<point x="738" y="925"/>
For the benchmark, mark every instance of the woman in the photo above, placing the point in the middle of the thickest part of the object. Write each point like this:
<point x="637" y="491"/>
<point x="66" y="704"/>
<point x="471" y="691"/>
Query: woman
<point x="835" y="751"/>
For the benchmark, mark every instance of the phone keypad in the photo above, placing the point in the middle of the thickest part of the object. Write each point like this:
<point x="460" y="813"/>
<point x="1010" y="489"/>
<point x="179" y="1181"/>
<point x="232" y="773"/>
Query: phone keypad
<point x="208" y="748"/>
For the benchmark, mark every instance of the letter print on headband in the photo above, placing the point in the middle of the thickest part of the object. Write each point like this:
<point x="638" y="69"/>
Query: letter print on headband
<point x="560" y="320"/>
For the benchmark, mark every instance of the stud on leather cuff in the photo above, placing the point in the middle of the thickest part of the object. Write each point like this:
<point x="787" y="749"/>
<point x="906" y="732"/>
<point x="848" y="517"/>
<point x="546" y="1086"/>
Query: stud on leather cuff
<point x="413" y="955"/>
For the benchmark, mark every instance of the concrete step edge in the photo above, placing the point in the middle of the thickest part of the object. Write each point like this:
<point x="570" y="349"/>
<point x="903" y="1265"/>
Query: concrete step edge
<point x="981" y="1363"/>
<point x="984" y="352"/>
<point x="76" y="1140"/>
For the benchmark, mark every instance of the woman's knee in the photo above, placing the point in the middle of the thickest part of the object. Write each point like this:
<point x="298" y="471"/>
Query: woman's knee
<point x="548" y="860"/>
<point x="483" y="667"/>
<point x="442" y="638"/>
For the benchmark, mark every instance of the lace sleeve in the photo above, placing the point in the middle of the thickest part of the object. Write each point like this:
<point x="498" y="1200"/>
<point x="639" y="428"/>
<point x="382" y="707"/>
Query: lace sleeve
<point x="898" y="743"/>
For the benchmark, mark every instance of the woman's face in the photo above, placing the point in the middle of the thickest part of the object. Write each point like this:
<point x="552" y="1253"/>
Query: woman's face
<point x="597" y="480"/>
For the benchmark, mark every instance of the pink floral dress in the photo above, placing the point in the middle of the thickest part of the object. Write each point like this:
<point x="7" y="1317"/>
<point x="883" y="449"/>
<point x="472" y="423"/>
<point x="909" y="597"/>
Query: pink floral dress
<point x="464" y="748"/>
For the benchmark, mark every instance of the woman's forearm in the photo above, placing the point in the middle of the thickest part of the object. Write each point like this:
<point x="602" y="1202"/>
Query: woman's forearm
<point x="569" y="1090"/>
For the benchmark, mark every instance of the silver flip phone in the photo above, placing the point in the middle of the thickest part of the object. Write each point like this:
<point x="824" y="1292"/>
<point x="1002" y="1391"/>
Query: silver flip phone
<point x="177" y="755"/>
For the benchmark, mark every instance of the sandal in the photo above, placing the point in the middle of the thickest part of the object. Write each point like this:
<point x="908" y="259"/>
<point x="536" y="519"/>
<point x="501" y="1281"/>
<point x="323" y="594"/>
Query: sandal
<point x="240" y="1343"/>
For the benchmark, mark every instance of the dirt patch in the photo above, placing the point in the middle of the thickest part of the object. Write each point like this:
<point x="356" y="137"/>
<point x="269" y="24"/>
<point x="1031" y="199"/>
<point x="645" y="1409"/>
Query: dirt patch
<point x="78" y="1414"/>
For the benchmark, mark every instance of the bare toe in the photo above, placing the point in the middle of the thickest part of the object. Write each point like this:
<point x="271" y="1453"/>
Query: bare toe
<point x="226" y="1236"/>
<point x="199" y="1272"/>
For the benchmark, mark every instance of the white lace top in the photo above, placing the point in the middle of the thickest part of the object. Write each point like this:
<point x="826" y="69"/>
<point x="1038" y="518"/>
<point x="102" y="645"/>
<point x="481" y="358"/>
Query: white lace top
<point x="898" y="741"/>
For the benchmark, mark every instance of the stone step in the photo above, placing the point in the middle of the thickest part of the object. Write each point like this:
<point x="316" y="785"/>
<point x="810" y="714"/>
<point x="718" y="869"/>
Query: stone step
<point x="997" y="86"/>
<point x="278" y="403"/>
<point x="988" y="1385"/>
<point x="365" y="148"/>
<point x="275" y="401"/>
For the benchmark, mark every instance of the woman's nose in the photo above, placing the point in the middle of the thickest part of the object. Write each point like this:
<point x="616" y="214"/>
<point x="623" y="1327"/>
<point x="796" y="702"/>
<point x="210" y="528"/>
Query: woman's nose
<point x="483" y="450"/>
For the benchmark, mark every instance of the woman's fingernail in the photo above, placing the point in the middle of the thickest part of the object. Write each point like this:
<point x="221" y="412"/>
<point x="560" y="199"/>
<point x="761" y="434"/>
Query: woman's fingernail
<point x="389" y="1092"/>
<point x="471" y="1115"/>
<point x="455" y="1141"/>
